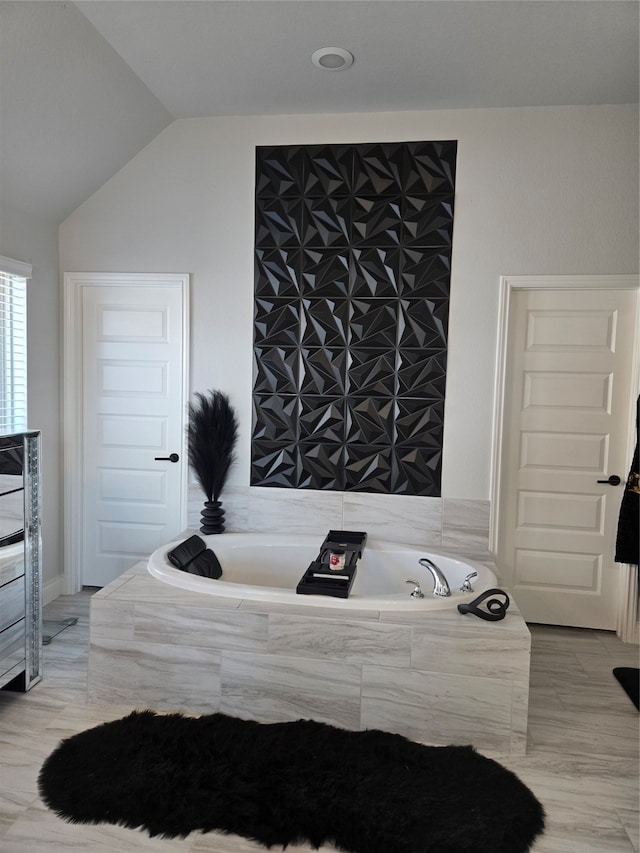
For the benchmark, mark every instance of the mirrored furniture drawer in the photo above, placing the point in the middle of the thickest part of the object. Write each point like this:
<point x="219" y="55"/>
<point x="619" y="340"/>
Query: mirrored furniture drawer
<point x="12" y="652"/>
<point x="12" y="603"/>
<point x="11" y="563"/>
<point x="20" y="561"/>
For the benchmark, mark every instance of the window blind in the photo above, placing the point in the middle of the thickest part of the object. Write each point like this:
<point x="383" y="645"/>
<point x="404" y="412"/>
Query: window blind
<point x="13" y="345"/>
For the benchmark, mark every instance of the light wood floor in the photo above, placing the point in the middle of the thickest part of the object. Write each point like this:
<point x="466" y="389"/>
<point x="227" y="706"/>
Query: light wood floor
<point x="582" y="760"/>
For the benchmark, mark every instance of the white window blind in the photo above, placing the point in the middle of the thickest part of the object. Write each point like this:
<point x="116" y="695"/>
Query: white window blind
<point x="13" y="345"/>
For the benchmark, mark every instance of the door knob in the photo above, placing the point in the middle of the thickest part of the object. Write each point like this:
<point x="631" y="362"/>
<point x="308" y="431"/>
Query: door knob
<point x="173" y="457"/>
<point x="613" y="480"/>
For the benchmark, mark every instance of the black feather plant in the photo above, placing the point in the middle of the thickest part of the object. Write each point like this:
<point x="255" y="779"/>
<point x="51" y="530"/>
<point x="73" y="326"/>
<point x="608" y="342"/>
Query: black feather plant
<point x="212" y="433"/>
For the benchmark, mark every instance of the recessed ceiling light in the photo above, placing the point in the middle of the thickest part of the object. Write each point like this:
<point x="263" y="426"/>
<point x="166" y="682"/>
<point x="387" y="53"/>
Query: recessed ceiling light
<point x="332" y="58"/>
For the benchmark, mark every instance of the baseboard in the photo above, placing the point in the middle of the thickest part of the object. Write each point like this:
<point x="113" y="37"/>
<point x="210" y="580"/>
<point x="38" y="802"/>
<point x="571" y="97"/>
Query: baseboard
<point x="630" y="634"/>
<point x="52" y="589"/>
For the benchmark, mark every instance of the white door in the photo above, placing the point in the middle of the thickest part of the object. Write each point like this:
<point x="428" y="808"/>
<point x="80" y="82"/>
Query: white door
<point x="131" y="399"/>
<point x="567" y="413"/>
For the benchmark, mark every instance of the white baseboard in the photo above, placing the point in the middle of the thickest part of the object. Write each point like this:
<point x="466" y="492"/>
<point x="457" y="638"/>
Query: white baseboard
<point x="52" y="589"/>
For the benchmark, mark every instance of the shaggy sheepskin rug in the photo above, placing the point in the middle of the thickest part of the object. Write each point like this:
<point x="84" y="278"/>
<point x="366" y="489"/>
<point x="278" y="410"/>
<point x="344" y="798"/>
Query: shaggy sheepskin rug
<point x="285" y="783"/>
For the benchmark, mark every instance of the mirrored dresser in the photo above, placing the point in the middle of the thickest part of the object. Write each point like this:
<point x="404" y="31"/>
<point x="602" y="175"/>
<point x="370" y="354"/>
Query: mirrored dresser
<point x="20" y="561"/>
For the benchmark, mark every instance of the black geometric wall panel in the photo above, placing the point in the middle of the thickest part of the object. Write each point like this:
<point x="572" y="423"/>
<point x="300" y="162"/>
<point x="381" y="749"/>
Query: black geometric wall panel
<point x="352" y="279"/>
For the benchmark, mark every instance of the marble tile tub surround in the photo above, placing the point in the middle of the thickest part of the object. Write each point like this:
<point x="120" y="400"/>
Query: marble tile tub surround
<point x="455" y="523"/>
<point x="437" y="677"/>
<point x="581" y="761"/>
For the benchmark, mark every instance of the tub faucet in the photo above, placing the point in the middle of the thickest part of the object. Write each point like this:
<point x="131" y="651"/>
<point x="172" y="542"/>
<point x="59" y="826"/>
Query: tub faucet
<point x="466" y="583"/>
<point x="417" y="592"/>
<point x="440" y="585"/>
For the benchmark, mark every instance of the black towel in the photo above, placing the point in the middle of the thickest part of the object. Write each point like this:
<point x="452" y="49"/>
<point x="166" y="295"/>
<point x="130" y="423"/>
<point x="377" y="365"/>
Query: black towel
<point x="627" y="540"/>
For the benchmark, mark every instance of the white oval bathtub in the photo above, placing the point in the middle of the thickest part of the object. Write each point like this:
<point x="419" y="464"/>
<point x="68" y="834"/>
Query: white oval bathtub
<point x="268" y="567"/>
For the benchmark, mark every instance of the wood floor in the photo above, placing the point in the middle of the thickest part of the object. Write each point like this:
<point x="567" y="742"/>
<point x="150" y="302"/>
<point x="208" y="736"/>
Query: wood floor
<point x="582" y="759"/>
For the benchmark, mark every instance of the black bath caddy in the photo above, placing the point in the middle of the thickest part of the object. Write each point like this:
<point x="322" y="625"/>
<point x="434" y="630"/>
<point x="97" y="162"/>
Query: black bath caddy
<point x="320" y="579"/>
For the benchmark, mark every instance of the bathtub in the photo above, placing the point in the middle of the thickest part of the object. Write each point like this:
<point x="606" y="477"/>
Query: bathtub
<point x="267" y="567"/>
<point x="249" y="646"/>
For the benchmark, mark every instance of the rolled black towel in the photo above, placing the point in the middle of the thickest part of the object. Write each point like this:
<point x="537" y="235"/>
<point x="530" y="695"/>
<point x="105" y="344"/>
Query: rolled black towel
<point x="206" y="565"/>
<point x="186" y="551"/>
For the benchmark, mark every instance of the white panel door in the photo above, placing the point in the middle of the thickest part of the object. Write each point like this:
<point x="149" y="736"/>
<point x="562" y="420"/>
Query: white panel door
<point x="568" y="400"/>
<point x="133" y="401"/>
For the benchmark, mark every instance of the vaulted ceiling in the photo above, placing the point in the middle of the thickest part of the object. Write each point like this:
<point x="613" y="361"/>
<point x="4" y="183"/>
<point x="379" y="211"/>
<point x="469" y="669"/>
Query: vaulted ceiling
<point x="84" y="86"/>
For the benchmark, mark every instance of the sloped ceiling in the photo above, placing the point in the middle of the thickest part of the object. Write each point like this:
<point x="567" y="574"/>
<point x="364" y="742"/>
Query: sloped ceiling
<point x="71" y="111"/>
<point x="85" y="86"/>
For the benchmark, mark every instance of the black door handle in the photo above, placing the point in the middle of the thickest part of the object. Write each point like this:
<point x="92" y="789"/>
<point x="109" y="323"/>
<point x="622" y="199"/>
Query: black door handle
<point x="172" y="458"/>
<point x="613" y="480"/>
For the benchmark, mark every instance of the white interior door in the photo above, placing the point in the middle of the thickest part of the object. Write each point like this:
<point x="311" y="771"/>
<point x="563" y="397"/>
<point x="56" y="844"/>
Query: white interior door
<point x="567" y="412"/>
<point x="131" y="401"/>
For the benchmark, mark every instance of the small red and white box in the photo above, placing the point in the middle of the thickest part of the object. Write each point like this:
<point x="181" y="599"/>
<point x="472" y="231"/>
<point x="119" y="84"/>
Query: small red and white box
<point x="336" y="561"/>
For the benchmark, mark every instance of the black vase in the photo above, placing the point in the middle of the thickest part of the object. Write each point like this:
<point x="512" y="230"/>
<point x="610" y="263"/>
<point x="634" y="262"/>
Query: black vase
<point x="212" y="518"/>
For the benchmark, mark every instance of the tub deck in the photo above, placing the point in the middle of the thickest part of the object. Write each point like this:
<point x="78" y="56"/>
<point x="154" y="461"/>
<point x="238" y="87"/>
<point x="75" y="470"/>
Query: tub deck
<point x="436" y="677"/>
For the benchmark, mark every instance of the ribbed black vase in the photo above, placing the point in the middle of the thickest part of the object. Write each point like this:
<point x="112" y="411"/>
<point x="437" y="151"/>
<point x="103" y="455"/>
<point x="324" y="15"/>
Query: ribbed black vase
<point x="212" y="518"/>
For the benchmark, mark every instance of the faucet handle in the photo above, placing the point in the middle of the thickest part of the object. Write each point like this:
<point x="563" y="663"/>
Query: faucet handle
<point x="466" y="583"/>
<point x="417" y="592"/>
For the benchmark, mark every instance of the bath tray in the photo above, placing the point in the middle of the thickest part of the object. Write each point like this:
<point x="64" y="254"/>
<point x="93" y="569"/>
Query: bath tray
<point x="320" y="579"/>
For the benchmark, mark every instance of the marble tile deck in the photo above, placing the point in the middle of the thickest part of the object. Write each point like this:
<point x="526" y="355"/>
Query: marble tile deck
<point x="581" y="760"/>
<point x="434" y="676"/>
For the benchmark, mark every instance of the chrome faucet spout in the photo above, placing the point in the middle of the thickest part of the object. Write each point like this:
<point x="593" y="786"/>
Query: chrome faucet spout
<point x="440" y="584"/>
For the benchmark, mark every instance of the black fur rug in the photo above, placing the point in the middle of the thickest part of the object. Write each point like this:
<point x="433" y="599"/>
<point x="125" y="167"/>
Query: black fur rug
<point x="304" y="782"/>
<point x="628" y="678"/>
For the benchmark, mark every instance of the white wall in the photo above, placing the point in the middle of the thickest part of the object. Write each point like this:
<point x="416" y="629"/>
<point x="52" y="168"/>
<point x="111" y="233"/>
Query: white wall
<point x="539" y="191"/>
<point x="27" y="238"/>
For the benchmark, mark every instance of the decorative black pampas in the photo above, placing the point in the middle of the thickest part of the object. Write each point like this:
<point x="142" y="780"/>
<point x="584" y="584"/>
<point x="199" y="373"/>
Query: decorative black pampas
<point x="212" y="433"/>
